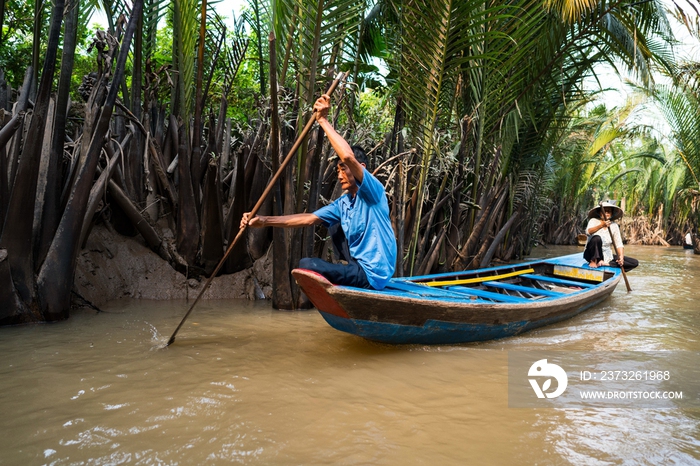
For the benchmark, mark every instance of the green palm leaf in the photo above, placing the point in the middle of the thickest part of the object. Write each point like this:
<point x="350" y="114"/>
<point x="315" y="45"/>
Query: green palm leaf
<point x="186" y="15"/>
<point x="316" y="35"/>
<point x="436" y="36"/>
<point x="680" y="109"/>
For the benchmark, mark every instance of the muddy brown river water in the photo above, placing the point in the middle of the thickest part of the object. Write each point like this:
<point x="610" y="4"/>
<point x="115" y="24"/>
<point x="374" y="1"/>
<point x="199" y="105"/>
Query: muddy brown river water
<point x="246" y="384"/>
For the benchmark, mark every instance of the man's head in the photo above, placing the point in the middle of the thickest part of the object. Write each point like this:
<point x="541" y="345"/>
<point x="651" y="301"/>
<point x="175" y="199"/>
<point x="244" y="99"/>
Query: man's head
<point x="359" y="154"/>
<point x="345" y="176"/>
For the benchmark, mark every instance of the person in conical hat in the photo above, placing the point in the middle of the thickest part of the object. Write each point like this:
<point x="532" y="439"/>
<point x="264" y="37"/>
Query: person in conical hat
<point x="596" y="212"/>
<point x="602" y="233"/>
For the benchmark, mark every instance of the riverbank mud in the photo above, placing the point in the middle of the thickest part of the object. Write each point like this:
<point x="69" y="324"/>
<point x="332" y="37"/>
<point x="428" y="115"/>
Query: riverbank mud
<point x="112" y="267"/>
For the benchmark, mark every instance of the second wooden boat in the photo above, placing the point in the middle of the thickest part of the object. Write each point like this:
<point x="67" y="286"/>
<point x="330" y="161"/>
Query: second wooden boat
<point x="581" y="239"/>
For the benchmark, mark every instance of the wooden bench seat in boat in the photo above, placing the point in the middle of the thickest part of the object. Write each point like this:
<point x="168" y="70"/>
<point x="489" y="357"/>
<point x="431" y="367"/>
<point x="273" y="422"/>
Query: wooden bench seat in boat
<point x="504" y="298"/>
<point x="559" y="281"/>
<point x="523" y="289"/>
<point x="424" y="291"/>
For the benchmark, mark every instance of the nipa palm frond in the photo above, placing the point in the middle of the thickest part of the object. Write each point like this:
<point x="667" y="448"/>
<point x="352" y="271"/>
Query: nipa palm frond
<point x="680" y="110"/>
<point x="436" y="35"/>
<point x="153" y="12"/>
<point x="186" y="31"/>
<point x="570" y="10"/>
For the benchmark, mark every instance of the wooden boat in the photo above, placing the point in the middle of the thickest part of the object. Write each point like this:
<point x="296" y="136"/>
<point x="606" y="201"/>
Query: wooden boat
<point x="581" y="239"/>
<point x="468" y="306"/>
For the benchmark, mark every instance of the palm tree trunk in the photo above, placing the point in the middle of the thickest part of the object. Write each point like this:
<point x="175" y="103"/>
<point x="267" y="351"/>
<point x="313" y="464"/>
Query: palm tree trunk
<point x="433" y="253"/>
<point x="238" y="259"/>
<point x="497" y="240"/>
<point x="149" y="234"/>
<point x="36" y="40"/>
<point x="17" y="236"/>
<point x="477" y="162"/>
<point x="463" y="258"/>
<point x="158" y="165"/>
<point x="212" y="225"/>
<point x="453" y="236"/>
<point x="421" y="195"/>
<point x="259" y="238"/>
<point x="281" y="285"/>
<point x="224" y="139"/>
<point x="187" y="217"/>
<point x="195" y="162"/>
<point x="15" y="148"/>
<point x="135" y="160"/>
<point x="311" y="85"/>
<point x="261" y="61"/>
<point x="52" y="200"/>
<point x="56" y="275"/>
<point x="98" y="189"/>
<point x="400" y="197"/>
<point x="5" y="87"/>
<point x="314" y="166"/>
<point x="486" y="233"/>
<point x="6" y="134"/>
<point x="292" y="236"/>
<point x="12" y="310"/>
<point x="429" y="223"/>
<point x="43" y="177"/>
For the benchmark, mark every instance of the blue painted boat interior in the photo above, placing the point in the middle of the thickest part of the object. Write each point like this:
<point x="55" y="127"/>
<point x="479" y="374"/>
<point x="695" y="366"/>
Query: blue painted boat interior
<point x="571" y="260"/>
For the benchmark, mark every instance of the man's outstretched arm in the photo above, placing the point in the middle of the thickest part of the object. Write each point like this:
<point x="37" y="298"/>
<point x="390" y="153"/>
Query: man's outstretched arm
<point x="340" y="145"/>
<point x="283" y="221"/>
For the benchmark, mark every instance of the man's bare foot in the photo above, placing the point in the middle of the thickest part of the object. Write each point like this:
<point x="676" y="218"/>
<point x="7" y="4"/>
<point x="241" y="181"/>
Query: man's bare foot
<point x="593" y="264"/>
<point x="603" y="264"/>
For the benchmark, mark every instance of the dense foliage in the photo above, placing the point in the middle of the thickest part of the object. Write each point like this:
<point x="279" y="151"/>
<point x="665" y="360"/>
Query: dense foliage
<point x="169" y="124"/>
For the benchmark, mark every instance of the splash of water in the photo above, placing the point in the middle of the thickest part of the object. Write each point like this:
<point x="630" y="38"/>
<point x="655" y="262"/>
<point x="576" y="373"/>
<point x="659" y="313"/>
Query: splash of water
<point x="159" y="341"/>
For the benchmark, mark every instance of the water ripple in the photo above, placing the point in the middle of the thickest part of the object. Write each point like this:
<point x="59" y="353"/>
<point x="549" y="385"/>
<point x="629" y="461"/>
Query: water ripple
<point x="247" y="384"/>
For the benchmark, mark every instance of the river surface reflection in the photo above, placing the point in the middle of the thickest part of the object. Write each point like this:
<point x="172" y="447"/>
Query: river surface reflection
<point x="243" y="383"/>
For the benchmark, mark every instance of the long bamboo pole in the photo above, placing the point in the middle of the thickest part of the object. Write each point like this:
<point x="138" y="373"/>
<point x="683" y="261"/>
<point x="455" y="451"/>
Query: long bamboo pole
<point x="268" y="189"/>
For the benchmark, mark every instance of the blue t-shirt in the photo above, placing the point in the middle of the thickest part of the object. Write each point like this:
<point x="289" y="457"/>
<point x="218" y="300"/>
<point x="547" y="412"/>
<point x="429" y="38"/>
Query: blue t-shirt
<point x="365" y="222"/>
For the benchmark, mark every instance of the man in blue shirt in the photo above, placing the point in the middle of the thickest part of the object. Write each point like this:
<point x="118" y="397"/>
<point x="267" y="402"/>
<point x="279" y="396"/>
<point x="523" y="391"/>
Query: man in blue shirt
<point x="362" y="213"/>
